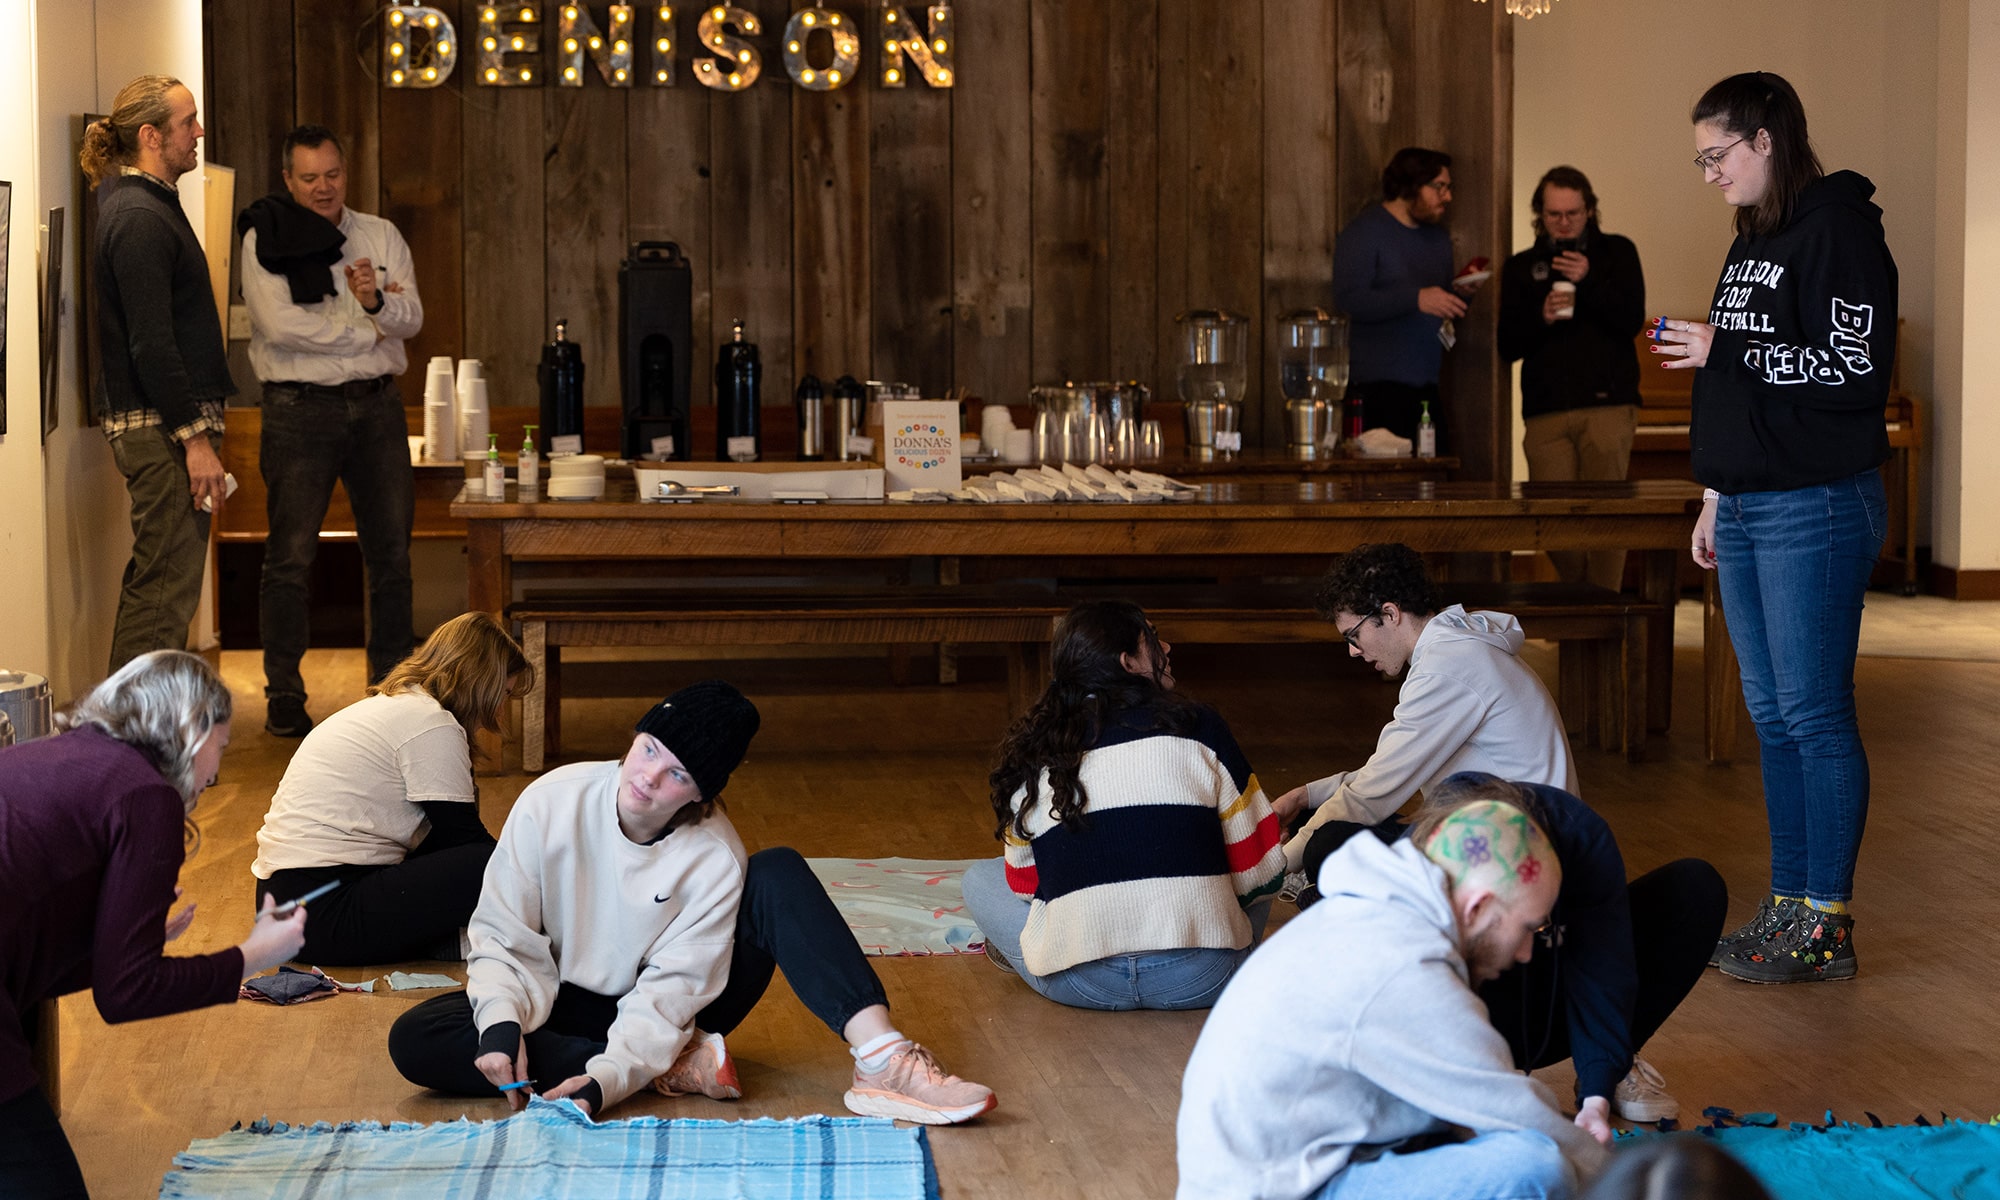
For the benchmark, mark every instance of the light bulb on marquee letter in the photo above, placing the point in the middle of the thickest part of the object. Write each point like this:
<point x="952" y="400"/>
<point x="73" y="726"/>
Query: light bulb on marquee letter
<point x="419" y="46"/>
<point x="798" y="44"/>
<point x="612" y="52"/>
<point x="934" y="50"/>
<point x="495" y="44"/>
<point x="735" y="63"/>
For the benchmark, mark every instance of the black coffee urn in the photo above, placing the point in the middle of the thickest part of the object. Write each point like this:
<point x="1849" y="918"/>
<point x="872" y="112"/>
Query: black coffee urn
<point x="656" y="334"/>
<point x="561" y="376"/>
<point x="738" y="394"/>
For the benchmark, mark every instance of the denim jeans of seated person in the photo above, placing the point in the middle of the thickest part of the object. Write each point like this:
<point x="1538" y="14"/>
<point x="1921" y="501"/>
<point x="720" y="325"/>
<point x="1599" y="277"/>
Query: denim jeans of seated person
<point x="1514" y="1165"/>
<point x="1162" y="979"/>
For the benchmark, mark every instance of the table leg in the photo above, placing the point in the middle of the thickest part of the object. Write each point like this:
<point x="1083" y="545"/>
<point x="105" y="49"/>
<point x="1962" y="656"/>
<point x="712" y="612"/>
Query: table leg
<point x="486" y="590"/>
<point x="1722" y="686"/>
<point x="535" y="705"/>
<point x="1662" y="589"/>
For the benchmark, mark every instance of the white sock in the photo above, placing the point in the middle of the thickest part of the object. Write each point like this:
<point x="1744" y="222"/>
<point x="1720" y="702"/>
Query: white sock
<point x="873" y="1054"/>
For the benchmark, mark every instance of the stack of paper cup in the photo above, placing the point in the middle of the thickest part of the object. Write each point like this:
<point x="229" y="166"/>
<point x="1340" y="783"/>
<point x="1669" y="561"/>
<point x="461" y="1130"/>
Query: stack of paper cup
<point x="1020" y="446"/>
<point x="440" y="415"/>
<point x="995" y="423"/>
<point x="470" y="394"/>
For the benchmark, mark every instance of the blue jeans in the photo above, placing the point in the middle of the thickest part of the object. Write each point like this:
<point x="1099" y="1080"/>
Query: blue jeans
<point x="1166" y="979"/>
<point x="1515" y="1165"/>
<point x="355" y="434"/>
<point x="1793" y="568"/>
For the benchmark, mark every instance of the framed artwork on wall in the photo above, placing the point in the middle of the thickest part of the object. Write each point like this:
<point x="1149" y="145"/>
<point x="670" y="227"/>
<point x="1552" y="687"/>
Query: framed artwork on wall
<point x="6" y="215"/>
<point x="52" y="311"/>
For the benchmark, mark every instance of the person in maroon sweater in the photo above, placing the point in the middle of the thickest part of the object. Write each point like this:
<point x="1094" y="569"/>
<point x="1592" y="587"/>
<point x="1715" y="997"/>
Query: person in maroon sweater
<point x="93" y="830"/>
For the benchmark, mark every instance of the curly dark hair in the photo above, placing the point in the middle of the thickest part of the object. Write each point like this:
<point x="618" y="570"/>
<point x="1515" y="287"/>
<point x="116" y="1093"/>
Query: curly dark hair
<point x="1410" y="170"/>
<point x="1089" y="685"/>
<point x="1368" y="577"/>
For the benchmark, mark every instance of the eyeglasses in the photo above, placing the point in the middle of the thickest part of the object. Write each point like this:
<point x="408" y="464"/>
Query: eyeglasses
<point x="1709" y="160"/>
<point x="1353" y="636"/>
<point x="1441" y="186"/>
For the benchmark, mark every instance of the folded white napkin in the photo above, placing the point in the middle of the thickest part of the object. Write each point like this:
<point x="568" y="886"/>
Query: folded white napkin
<point x="1380" y="443"/>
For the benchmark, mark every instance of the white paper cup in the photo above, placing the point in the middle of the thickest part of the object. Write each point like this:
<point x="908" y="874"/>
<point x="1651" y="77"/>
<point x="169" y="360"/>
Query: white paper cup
<point x="1567" y="290"/>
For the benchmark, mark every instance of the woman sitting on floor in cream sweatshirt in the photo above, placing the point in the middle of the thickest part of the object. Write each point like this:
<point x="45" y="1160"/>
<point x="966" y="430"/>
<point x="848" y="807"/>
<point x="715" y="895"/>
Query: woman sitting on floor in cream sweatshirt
<point x="622" y="931"/>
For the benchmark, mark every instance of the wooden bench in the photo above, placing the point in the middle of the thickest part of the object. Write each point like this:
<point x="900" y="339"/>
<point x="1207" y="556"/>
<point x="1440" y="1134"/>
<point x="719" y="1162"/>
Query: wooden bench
<point x="1601" y="634"/>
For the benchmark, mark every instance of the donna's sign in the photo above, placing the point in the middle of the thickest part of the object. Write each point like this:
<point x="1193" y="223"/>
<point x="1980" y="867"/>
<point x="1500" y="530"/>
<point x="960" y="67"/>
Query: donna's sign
<point x="512" y="46"/>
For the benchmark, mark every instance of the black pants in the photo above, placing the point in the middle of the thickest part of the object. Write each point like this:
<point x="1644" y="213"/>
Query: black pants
<point x="1396" y="407"/>
<point x="1677" y="913"/>
<point x="36" y="1162"/>
<point x="413" y="909"/>
<point x="786" y="921"/>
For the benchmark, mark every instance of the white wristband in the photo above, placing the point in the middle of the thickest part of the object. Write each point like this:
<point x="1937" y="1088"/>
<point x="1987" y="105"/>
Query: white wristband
<point x="1708" y="494"/>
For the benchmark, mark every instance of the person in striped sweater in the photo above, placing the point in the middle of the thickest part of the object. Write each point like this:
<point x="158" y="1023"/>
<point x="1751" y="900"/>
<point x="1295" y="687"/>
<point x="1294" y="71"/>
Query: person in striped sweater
<point x="1141" y="854"/>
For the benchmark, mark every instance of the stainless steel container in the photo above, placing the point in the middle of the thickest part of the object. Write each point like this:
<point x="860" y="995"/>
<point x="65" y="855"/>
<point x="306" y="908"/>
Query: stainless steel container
<point x="811" y="401"/>
<point x="24" y="698"/>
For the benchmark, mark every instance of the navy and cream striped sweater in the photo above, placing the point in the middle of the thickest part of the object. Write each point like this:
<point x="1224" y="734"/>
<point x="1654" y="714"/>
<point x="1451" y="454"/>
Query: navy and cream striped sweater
<point x="1178" y="839"/>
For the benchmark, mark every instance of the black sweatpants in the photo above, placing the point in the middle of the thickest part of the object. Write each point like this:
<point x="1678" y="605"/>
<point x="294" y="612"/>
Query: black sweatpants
<point x="786" y="922"/>
<point x="413" y="909"/>
<point x="1677" y="913"/>
<point x="36" y="1162"/>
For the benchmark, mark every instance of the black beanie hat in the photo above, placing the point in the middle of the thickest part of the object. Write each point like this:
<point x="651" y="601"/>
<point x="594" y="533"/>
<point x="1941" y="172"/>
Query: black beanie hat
<point x="706" y="725"/>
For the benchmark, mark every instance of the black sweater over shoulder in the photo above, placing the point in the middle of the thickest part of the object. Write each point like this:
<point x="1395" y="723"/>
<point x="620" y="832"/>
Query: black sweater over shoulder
<point x="1798" y="375"/>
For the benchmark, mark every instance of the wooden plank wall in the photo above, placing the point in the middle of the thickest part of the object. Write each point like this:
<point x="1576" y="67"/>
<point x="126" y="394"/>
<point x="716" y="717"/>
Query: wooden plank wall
<point x="1100" y="168"/>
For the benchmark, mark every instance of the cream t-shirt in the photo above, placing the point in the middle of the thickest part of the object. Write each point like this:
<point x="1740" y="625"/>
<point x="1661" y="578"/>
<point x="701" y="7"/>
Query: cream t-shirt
<point x="350" y="795"/>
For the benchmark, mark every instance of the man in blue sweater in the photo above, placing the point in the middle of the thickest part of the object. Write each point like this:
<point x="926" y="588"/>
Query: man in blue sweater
<point x="1392" y="276"/>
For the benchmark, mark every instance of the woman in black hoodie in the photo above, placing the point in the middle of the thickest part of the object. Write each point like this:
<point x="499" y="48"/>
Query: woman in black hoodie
<point x="1792" y="374"/>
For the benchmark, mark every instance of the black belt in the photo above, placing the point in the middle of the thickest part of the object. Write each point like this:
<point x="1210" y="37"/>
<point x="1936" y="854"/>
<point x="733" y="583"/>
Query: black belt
<point x="347" y="390"/>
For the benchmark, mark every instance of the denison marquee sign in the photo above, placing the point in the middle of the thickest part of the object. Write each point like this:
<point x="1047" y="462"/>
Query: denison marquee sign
<point x="420" y="46"/>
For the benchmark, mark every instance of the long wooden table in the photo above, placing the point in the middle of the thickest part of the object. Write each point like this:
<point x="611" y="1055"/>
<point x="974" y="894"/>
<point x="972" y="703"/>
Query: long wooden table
<point x="1307" y="521"/>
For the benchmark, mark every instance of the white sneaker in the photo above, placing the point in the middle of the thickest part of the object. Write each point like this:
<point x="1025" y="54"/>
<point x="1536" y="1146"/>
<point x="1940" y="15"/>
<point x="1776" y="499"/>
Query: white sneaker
<point x="1296" y="882"/>
<point x="1642" y="1098"/>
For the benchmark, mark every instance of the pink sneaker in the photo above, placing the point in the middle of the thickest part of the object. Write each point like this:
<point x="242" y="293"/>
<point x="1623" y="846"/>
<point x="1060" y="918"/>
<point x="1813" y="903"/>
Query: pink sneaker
<point x="912" y="1087"/>
<point x="704" y="1067"/>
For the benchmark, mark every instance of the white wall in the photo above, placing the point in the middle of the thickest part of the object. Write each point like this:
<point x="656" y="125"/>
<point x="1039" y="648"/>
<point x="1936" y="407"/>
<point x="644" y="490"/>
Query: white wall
<point x="1968" y="221"/>
<point x="1606" y="86"/>
<point x="24" y="616"/>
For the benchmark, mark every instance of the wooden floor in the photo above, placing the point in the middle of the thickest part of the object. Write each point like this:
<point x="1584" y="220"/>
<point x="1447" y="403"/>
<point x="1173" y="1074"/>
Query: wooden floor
<point x="849" y="765"/>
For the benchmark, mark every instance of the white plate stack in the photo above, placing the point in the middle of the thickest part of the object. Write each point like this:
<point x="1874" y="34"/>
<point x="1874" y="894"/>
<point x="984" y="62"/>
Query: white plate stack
<point x="470" y="393"/>
<point x="576" y="477"/>
<point x="440" y="419"/>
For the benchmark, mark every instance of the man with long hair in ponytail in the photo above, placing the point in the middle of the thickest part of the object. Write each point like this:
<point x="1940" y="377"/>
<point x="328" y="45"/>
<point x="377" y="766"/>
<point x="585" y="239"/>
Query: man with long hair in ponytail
<point x="164" y="368"/>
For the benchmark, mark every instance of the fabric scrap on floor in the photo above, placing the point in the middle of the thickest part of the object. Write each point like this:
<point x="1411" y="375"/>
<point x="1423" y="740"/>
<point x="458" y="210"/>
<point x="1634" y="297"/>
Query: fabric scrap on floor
<point x="289" y="985"/>
<point x="404" y="981"/>
<point x="1839" y="1161"/>
<point x="902" y="906"/>
<point x="553" y="1149"/>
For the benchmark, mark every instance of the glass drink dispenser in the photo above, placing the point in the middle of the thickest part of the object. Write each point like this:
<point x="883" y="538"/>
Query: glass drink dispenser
<point x="1214" y="373"/>
<point x="1312" y="374"/>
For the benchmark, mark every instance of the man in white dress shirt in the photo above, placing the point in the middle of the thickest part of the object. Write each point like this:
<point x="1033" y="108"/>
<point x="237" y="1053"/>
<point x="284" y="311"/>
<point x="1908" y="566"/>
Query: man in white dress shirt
<point x="332" y="298"/>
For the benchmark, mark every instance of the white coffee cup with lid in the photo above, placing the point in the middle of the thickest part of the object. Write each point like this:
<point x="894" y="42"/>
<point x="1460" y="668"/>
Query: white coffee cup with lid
<point x="1566" y="307"/>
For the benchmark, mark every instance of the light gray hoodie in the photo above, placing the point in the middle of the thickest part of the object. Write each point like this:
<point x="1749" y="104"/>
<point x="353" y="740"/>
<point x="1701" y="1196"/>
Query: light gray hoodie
<point x="1468" y="704"/>
<point x="1351" y="1030"/>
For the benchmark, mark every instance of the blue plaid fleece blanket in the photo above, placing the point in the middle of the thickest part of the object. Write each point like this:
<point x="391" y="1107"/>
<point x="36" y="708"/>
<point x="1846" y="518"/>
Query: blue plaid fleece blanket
<point x="552" y="1149"/>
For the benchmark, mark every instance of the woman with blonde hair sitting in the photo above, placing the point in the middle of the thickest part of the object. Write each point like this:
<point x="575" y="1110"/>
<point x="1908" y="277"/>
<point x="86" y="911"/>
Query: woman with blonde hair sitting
<point x="94" y="827"/>
<point x="380" y="798"/>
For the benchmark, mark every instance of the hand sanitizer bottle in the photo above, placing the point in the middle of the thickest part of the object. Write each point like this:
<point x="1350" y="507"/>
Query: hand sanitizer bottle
<point x="528" y="467"/>
<point x="496" y="475"/>
<point x="1427" y="434"/>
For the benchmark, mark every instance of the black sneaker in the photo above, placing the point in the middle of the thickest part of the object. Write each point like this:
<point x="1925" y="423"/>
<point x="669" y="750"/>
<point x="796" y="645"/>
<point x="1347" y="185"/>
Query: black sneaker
<point x="1769" y="916"/>
<point x="285" y="717"/>
<point x="1810" y="946"/>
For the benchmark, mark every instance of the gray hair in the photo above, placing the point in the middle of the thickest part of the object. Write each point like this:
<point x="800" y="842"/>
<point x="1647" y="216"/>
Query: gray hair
<point x="163" y="705"/>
